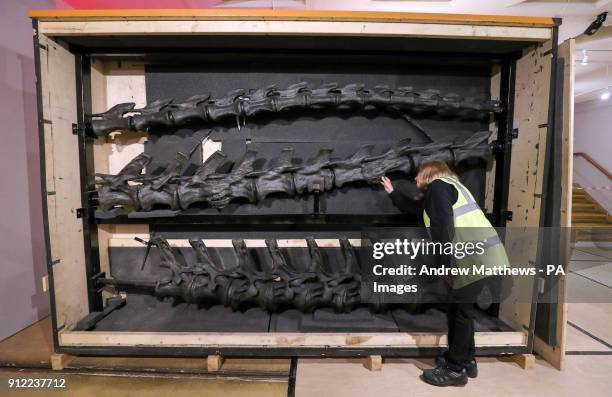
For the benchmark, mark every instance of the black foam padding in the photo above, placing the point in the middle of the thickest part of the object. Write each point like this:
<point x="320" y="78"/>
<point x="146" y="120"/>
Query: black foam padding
<point x="153" y="214"/>
<point x="309" y="131"/>
<point x="326" y="320"/>
<point x="115" y="212"/>
<point x="211" y="46"/>
<point x="146" y="313"/>
<point x="434" y="320"/>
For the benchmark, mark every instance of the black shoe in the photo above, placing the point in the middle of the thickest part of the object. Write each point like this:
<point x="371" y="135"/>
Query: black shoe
<point x="443" y="376"/>
<point x="471" y="368"/>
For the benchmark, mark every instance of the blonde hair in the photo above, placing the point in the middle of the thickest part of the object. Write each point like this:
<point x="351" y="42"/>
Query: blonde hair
<point x="432" y="170"/>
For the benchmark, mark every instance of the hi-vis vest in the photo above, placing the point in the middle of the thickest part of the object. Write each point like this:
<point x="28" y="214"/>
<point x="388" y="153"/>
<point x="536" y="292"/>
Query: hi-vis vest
<point x="471" y="225"/>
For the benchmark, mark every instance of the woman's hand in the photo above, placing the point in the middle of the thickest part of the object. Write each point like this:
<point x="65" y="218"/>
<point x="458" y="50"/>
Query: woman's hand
<point x="386" y="182"/>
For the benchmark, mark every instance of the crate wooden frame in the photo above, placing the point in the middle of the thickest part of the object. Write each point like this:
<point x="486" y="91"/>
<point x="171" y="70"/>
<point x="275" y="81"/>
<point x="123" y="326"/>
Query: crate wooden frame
<point x="57" y="101"/>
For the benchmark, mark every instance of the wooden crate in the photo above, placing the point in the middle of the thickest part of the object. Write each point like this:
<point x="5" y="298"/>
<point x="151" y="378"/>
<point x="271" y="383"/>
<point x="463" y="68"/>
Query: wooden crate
<point x="65" y="154"/>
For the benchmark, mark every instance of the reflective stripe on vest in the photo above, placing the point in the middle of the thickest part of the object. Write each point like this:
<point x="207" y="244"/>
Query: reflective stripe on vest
<point x="471" y="204"/>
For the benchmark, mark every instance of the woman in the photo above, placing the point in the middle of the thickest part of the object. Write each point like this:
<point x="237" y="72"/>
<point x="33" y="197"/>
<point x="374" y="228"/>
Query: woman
<point x="452" y="215"/>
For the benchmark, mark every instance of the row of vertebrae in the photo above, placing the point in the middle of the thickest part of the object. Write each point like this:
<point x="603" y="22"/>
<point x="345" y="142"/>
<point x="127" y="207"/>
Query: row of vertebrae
<point x="240" y="104"/>
<point x="274" y="285"/>
<point x="172" y="190"/>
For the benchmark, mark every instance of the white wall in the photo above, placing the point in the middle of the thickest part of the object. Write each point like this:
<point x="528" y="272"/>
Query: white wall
<point x="593" y="136"/>
<point x="22" y="249"/>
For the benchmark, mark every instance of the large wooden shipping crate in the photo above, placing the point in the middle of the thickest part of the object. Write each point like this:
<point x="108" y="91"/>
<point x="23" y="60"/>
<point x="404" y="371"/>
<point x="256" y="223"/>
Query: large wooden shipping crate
<point x="89" y="61"/>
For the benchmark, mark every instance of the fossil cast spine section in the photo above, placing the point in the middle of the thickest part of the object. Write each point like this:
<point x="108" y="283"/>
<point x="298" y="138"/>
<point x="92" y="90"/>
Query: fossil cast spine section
<point x="272" y="286"/>
<point x="130" y="190"/>
<point x="241" y="104"/>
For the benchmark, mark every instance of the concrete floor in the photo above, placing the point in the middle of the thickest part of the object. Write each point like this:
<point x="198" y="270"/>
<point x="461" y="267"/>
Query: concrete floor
<point x="587" y="373"/>
<point x="26" y="354"/>
<point x="115" y="384"/>
<point x="588" y="369"/>
<point x="584" y="375"/>
<point x="591" y="322"/>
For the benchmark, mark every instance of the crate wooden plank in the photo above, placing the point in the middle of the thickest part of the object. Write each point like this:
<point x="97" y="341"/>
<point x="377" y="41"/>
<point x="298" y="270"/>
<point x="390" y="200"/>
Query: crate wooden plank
<point x="115" y="82"/>
<point x="62" y="167"/>
<point x="312" y="15"/>
<point x="527" y="167"/>
<point x="307" y="340"/>
<point x="555" y="355"/>
<point x="60" y="361"/>
<point x="373" y="363"/>
<point x="309" y="28"/>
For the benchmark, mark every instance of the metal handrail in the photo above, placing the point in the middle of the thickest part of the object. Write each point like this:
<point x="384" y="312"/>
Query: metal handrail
<point x="594" y="163"/>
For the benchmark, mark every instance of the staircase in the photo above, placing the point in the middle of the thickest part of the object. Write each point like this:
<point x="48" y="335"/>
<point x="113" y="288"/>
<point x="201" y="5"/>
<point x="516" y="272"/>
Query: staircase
<point x="590" y="222"/>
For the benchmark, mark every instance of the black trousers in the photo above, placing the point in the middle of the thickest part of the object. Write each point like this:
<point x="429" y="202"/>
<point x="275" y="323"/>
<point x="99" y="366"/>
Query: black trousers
<point x="460" y="314"/>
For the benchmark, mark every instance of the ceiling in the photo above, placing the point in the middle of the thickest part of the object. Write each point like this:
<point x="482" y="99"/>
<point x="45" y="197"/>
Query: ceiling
<point x="591" y="79"/>
<point x="593" y="73"/>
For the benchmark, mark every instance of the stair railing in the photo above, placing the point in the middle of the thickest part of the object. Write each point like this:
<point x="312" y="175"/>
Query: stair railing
<point x="594" y="163"/>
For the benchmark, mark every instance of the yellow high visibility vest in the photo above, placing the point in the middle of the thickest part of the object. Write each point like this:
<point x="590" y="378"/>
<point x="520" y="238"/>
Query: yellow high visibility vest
<point x="471" y="225"/>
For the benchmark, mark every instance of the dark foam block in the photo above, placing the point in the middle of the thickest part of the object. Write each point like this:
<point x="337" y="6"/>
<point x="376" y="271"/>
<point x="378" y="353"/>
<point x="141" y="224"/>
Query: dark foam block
<point x="146" y="313"/>
<point x="431" y="320"/>
<point x="154" y="214"/>
<point x="326" y="320"/>
<point x="434" y="320"/>
<point x="110" y="214"/>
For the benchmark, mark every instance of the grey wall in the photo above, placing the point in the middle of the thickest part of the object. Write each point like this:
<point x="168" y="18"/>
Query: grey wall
<point x="22" y="249"/>
<point x="593" y="136"/>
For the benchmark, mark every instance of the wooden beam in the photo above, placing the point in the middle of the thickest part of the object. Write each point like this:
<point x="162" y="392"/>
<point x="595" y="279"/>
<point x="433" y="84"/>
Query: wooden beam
<point x="214" y="363"/>
<point x="62" y="177"/>
<point x="373" y="363"/>
<point x="525" y="361"/>
<point x="280" y="339"/>
<point x="59" y="361"/>
<point x="290" y="15"/>
<point x="294" y="28"/>
<point x="555" y="354"/>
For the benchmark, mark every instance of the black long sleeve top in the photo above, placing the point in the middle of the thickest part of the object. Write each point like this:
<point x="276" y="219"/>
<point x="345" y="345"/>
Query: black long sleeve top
<point x="438" y="203"/>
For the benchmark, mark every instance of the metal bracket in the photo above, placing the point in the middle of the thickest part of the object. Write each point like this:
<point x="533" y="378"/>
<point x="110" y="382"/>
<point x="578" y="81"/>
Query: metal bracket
<point x="81" y="212"/>
<point x="90" y="321"/>
<point x="92" y="198"/>
<point x="81" y="130"/>
<point x="317" y="198"/>
<point x="497" y="146"/>
<point x="96" y="281"/>
<point x="541" y="285"/>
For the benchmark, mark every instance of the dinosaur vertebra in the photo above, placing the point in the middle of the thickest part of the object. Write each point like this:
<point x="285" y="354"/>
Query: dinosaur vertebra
<point x="240" y="104"/>
<point x="174" y="191"/>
